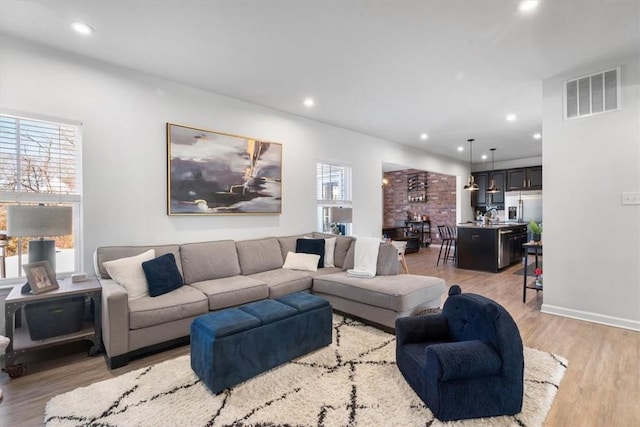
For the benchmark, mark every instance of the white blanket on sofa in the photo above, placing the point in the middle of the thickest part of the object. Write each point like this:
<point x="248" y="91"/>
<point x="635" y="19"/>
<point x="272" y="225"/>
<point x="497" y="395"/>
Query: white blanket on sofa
<point x="365" y="257"/>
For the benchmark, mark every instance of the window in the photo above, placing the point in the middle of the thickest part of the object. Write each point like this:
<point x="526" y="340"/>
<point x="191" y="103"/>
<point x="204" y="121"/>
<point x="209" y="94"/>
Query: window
<point x="39" y="164"/>
<point x="333" y="189"/>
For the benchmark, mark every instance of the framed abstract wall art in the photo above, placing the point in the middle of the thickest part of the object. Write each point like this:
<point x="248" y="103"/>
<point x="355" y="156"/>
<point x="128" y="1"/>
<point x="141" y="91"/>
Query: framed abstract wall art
<point x="214" y="173"/>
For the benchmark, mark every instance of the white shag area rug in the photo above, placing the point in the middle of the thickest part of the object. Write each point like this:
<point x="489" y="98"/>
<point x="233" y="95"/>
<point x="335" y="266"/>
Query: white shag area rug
<point x="352" y="382"/>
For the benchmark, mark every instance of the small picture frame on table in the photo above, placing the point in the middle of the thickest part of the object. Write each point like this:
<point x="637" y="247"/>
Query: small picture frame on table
<point x="40" y="276"/>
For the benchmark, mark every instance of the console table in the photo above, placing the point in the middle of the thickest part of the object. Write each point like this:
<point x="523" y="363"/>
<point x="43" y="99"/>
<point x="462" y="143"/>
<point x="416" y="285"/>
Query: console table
<point x="402" y="234"/>
<point x="537" y="248"/>
<point x="21" y="342"/>
<point x="421" y="230"/>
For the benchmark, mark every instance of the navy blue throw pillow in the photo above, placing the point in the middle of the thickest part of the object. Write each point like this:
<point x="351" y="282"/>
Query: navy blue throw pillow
<point x="162" y="275"/>
<point x="311" y="246"/>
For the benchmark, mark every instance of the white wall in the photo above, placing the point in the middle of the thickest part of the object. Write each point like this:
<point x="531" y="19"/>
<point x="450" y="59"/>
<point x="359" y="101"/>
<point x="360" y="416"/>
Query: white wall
<point x="124" y="147"/>
<point x="592" y="241"/>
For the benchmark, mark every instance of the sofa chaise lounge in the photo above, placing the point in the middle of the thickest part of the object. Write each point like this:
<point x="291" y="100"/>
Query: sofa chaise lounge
<point x="227" y="273"/>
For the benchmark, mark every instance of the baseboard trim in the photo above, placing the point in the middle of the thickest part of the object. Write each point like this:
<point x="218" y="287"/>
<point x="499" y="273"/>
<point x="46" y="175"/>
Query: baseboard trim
<point x="587" y="316"/>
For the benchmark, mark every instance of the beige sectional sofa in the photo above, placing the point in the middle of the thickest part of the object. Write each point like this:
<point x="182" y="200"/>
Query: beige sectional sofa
<point x="227" y="273"/>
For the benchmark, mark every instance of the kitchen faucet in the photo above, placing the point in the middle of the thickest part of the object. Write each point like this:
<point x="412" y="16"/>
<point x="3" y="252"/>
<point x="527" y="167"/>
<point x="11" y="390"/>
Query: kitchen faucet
<point x="491" y="213"/>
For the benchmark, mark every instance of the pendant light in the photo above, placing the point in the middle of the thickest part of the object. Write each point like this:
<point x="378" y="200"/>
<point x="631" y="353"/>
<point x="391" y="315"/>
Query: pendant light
<point x="471" y="185"/>
<point x="492" y="188"/>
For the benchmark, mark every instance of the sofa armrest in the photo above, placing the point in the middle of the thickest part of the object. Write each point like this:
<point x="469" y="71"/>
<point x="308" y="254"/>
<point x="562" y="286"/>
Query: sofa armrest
<point x="115" y="318"/>
<point x="462" y="360"/>
<point x="416" y="329"/>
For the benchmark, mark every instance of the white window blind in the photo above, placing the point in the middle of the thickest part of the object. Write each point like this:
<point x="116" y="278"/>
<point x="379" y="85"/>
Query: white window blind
<point x="333" y="188"/>
<point x="40" y="163"/>
<point x="38" y="157"/>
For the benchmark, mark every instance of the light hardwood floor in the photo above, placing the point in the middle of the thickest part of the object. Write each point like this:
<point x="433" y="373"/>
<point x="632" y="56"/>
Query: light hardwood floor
<point x="601" y="386"/>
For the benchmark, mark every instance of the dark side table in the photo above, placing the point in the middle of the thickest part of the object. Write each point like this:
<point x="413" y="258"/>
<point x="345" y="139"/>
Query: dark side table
<point x="17" y="332"/>
<point x="537" y="249"/>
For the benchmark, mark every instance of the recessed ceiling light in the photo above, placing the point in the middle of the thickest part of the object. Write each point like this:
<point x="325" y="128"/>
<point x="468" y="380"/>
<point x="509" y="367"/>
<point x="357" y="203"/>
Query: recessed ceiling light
<point x="511" y="117"/>
<point x="460" y="148"/>
<point x="82" y="28"/>
<point x="537" y="136"/>
<point x="484" y="157"/>
<point x="309" y="102"/>
<point x="528" y="5"/>
<point x="424" y="136"/>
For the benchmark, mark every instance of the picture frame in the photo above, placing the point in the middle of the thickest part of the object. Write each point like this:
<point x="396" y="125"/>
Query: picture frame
<point x="40" y="276"/>
<point x="216" y="173"/>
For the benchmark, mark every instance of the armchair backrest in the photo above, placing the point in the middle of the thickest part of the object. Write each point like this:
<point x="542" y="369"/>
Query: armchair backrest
<point x="474" y="317"/>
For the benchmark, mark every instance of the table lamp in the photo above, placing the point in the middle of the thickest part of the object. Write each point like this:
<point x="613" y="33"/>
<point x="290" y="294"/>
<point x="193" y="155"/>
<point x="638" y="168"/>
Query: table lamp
<point x="40" y="221"/>
<point x="340" y="216"/>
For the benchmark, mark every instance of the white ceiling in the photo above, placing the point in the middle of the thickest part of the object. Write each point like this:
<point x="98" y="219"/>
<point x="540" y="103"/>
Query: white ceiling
<point x="392" y="69"/>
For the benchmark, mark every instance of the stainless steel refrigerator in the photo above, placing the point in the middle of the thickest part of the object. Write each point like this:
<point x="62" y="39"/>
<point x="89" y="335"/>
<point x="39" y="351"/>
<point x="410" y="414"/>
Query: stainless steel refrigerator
<point x="523" y="206"/>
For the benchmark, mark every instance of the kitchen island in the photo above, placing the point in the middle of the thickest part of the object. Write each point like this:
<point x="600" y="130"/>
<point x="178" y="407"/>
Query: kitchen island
<point x="490" y="247"/>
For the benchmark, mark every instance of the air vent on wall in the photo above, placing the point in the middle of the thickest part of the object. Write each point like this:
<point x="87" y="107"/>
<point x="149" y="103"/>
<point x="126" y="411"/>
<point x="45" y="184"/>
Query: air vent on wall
<point x="594" y="94"/>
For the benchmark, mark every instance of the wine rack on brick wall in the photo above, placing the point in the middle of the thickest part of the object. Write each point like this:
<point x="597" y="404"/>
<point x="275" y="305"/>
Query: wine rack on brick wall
<point x="440" y="204"/>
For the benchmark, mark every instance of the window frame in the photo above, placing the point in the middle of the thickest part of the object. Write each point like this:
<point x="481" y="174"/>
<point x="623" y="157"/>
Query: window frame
<point x="323" y="204"/>
<point x="75" y="200"/>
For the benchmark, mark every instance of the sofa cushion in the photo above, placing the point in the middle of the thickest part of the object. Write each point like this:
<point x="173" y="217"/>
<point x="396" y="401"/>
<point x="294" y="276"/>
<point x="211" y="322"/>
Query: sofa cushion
<point x="209" y="260"/>
<point x="181" y="303"/>
<point x="386" y="265"/>
<point x="259" y="255"/>
<point x="232" y="291"/>
<point x="129" y="274"/>
<point x="343" y="243"/>
<point x="109" y="253"/>
<point x="301" y="261"/>
<point x="312" y="246"/>
<point x="288" y="243"/>
<point x="398" y="293"/>
<point x="323" y="271"/>
<point x="162" y="275"/>
<point x="282" y="281"/>
<point x="329" y="251"/>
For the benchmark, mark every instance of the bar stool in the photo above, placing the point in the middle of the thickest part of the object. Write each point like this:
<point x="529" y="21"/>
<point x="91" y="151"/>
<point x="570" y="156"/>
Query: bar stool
<point x="453" y="241"/>
<point x="445" y="244"/>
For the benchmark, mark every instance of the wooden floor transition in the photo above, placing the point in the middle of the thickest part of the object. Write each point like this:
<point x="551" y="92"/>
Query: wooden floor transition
<point x="601" y="386"/>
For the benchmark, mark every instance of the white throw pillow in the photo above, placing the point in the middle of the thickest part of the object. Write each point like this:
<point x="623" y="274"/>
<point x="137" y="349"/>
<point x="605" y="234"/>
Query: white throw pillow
<point x="301" y="261"/>
<point x="129" y="274"/>
<point x="329" y="251"/>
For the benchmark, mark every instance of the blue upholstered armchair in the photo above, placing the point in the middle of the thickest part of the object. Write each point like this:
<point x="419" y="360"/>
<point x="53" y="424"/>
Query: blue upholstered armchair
<point x="466" y="362"/>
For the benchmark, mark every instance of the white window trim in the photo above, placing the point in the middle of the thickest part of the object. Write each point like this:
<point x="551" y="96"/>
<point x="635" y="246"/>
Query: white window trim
<point x="74" y="199"/>
<point x="322" y="203"/>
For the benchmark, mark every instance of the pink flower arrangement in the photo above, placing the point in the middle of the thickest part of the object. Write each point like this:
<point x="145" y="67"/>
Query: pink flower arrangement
<point x="538" y="273"/>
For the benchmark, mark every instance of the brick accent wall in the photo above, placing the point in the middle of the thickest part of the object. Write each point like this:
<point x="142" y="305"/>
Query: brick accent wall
<point x="440" y="206"/>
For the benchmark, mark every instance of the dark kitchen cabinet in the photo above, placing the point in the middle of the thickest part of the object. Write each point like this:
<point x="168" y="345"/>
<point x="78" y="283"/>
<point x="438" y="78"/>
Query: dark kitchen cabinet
<point x="482" y="199"/>
<point x="515" y="179"/>
<point x="478" y="249"/>
<point x="524" y="178"/>
<point x="534" y="178"/>
<point x="499" y="178"/>
<point x="518" y="238"/>
<point x="479" y="197"/>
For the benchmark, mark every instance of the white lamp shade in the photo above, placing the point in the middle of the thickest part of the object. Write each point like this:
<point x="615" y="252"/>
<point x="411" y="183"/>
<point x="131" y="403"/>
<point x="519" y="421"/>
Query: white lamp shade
<point x="39" y="221"/>
<point x="340" y="215"/>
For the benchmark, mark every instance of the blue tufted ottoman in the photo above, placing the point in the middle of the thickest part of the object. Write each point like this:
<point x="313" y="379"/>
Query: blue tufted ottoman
<point x="230" y="346"/>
